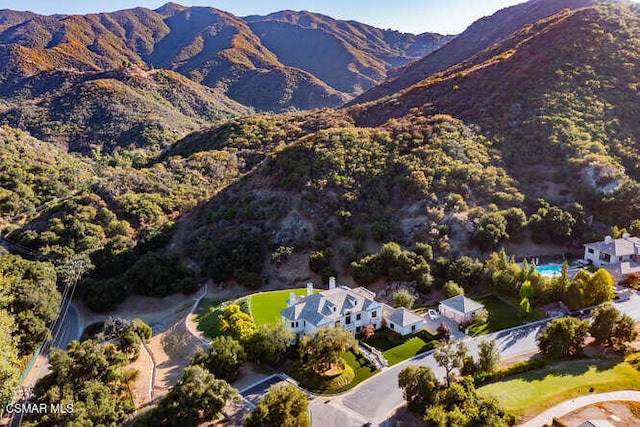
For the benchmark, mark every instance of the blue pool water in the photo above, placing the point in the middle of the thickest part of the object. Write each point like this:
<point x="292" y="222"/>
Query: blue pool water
<point x="549" y="269"/>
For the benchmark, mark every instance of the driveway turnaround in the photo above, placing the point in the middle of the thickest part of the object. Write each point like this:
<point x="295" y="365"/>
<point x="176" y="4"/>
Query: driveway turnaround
<point x="571" y="405"/>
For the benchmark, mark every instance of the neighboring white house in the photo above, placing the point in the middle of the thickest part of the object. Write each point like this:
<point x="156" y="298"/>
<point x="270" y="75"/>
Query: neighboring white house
<point x="349" y="308"/>
<point x="618" y="256"/>
<point x="401" y="320"/>
<point x="459" y="308"/>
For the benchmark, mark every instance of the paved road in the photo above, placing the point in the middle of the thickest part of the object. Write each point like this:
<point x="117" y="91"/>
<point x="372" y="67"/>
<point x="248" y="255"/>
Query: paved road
<point x="377" y="397"/>
<point x="70" y="329"/>
<point x="571" y="405"/>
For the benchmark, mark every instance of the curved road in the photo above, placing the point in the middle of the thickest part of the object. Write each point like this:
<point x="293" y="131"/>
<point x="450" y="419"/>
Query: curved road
<point x="70" y="329"/>
<point x="374" y="399"/>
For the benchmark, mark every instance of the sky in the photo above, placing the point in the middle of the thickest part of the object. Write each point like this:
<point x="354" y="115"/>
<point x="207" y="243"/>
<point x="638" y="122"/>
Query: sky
<point x="413" y="16"/>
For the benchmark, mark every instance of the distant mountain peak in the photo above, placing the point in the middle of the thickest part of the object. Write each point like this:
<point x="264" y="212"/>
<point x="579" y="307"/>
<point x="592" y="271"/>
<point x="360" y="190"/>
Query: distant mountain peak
<point x="170" y="8"/>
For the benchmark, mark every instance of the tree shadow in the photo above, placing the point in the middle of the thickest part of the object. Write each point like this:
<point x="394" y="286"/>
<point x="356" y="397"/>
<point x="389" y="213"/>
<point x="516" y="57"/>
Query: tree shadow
<point x="570" y="368"/>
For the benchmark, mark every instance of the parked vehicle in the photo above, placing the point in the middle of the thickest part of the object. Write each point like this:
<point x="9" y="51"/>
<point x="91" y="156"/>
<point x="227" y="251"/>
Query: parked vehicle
<point x="433" y="315"/>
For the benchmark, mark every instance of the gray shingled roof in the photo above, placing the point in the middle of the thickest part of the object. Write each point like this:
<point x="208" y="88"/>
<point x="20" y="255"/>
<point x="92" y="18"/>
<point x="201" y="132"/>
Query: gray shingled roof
<point x="618" y="247"/>
<point x="462" y="304"/>
<point x="328" y="305"/>
<point x="402" y="317"/>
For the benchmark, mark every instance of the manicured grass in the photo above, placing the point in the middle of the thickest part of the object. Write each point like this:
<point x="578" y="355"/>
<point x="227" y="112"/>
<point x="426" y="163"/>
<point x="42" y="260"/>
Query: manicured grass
<point x="501" y="316"/>
<point x="396" y="348"/>
<point x="266" y="306"/>
<point x="361" y="369"/>
<point x="404" y="351"/>
<point x="532" y="392"/>
<point x="357" y="371"/>
<point x="383" y="339"/>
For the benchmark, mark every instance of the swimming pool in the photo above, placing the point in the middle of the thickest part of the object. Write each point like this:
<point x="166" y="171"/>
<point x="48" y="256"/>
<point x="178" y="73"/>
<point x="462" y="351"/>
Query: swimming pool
<point x="549" y="269"/>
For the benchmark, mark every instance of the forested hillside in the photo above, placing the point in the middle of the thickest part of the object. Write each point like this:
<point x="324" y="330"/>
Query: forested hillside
<point x="263" y="63"/>
<point x="538" y="141"/>
<point x="558" y="97"/>
<point x="146" y="146"/>
<point x="127" y="108"/>
<point x="478" y="36"/>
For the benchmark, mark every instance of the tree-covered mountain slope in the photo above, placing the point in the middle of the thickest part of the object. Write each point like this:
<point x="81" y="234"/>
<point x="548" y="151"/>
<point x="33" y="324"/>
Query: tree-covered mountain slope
<point x="347" y="55"/>
<point x="557" y="96"/>
<point x="477" y="37"/>
<point x="216" y="49"/>
<point x="124" y="108"/>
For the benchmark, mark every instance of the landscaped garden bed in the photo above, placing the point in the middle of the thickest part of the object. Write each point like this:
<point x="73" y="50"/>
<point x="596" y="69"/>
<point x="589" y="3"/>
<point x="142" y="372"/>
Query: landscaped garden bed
<point x="356" y="370"/>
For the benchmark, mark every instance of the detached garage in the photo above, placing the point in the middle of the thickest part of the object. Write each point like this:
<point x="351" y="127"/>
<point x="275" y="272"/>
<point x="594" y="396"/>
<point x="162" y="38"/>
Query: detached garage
<point x="402" y="321"/>
<point x="459" y="308"/>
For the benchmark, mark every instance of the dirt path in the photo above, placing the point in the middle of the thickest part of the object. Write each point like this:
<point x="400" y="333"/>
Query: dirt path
<point x="142" y="386"/>
<point x="189" y="321"/>
<point x="175" y="336"/>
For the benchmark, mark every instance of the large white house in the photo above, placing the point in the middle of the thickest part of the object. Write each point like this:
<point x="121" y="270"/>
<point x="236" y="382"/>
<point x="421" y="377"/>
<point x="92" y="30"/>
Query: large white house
<point x="349" y="308"/>
<point x="618" y="256"/>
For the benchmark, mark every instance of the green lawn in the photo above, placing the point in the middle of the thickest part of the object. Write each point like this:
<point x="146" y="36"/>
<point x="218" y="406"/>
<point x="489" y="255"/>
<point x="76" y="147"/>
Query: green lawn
<point x="501" y="316"/>
<point x="396" y="348"/>
<point x="266" y="306"/>
<point x="404" y="351"/>
<point x="533" y="392"/>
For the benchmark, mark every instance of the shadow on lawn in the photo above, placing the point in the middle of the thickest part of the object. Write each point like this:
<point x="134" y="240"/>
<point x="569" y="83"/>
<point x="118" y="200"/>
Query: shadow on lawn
<point x="571" y="368"/>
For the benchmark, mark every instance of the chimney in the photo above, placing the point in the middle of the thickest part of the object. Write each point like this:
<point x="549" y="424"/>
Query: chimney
<point x="332" y="283"/>
<point x="626" y="236"/>
<point x="607" y="239"/>
<point x="292" y="299"/>
<point x="309" y="289"/>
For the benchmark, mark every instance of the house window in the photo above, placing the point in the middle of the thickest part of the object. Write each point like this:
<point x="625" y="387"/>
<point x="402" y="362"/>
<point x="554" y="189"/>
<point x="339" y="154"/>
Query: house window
<point x="348" y="320"/>
<point x="413" y="328"/>
<point x="605" y="257"/>
<point x="358" y="329"/>
<point x="374" y="314"/>
<point x="337" y="323"/>
<point x="392" y="327"/>
<point x="590" y="250"/>
<point x="358" y="316"/>
<point x="293" y="324"/>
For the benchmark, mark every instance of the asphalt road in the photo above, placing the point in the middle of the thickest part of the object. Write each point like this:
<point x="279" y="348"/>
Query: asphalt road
<point x="374" y="399"/>
<point x="70" y="329"/>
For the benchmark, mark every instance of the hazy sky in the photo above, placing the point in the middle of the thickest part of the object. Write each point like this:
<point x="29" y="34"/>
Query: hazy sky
<point x="416" y="16"/>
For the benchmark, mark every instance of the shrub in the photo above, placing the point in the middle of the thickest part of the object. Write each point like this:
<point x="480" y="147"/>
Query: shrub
<point x="452" y="289"/>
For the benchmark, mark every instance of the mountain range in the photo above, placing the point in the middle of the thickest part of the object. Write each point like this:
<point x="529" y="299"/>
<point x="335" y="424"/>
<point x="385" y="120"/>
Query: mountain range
<point x="285" y="60"/>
